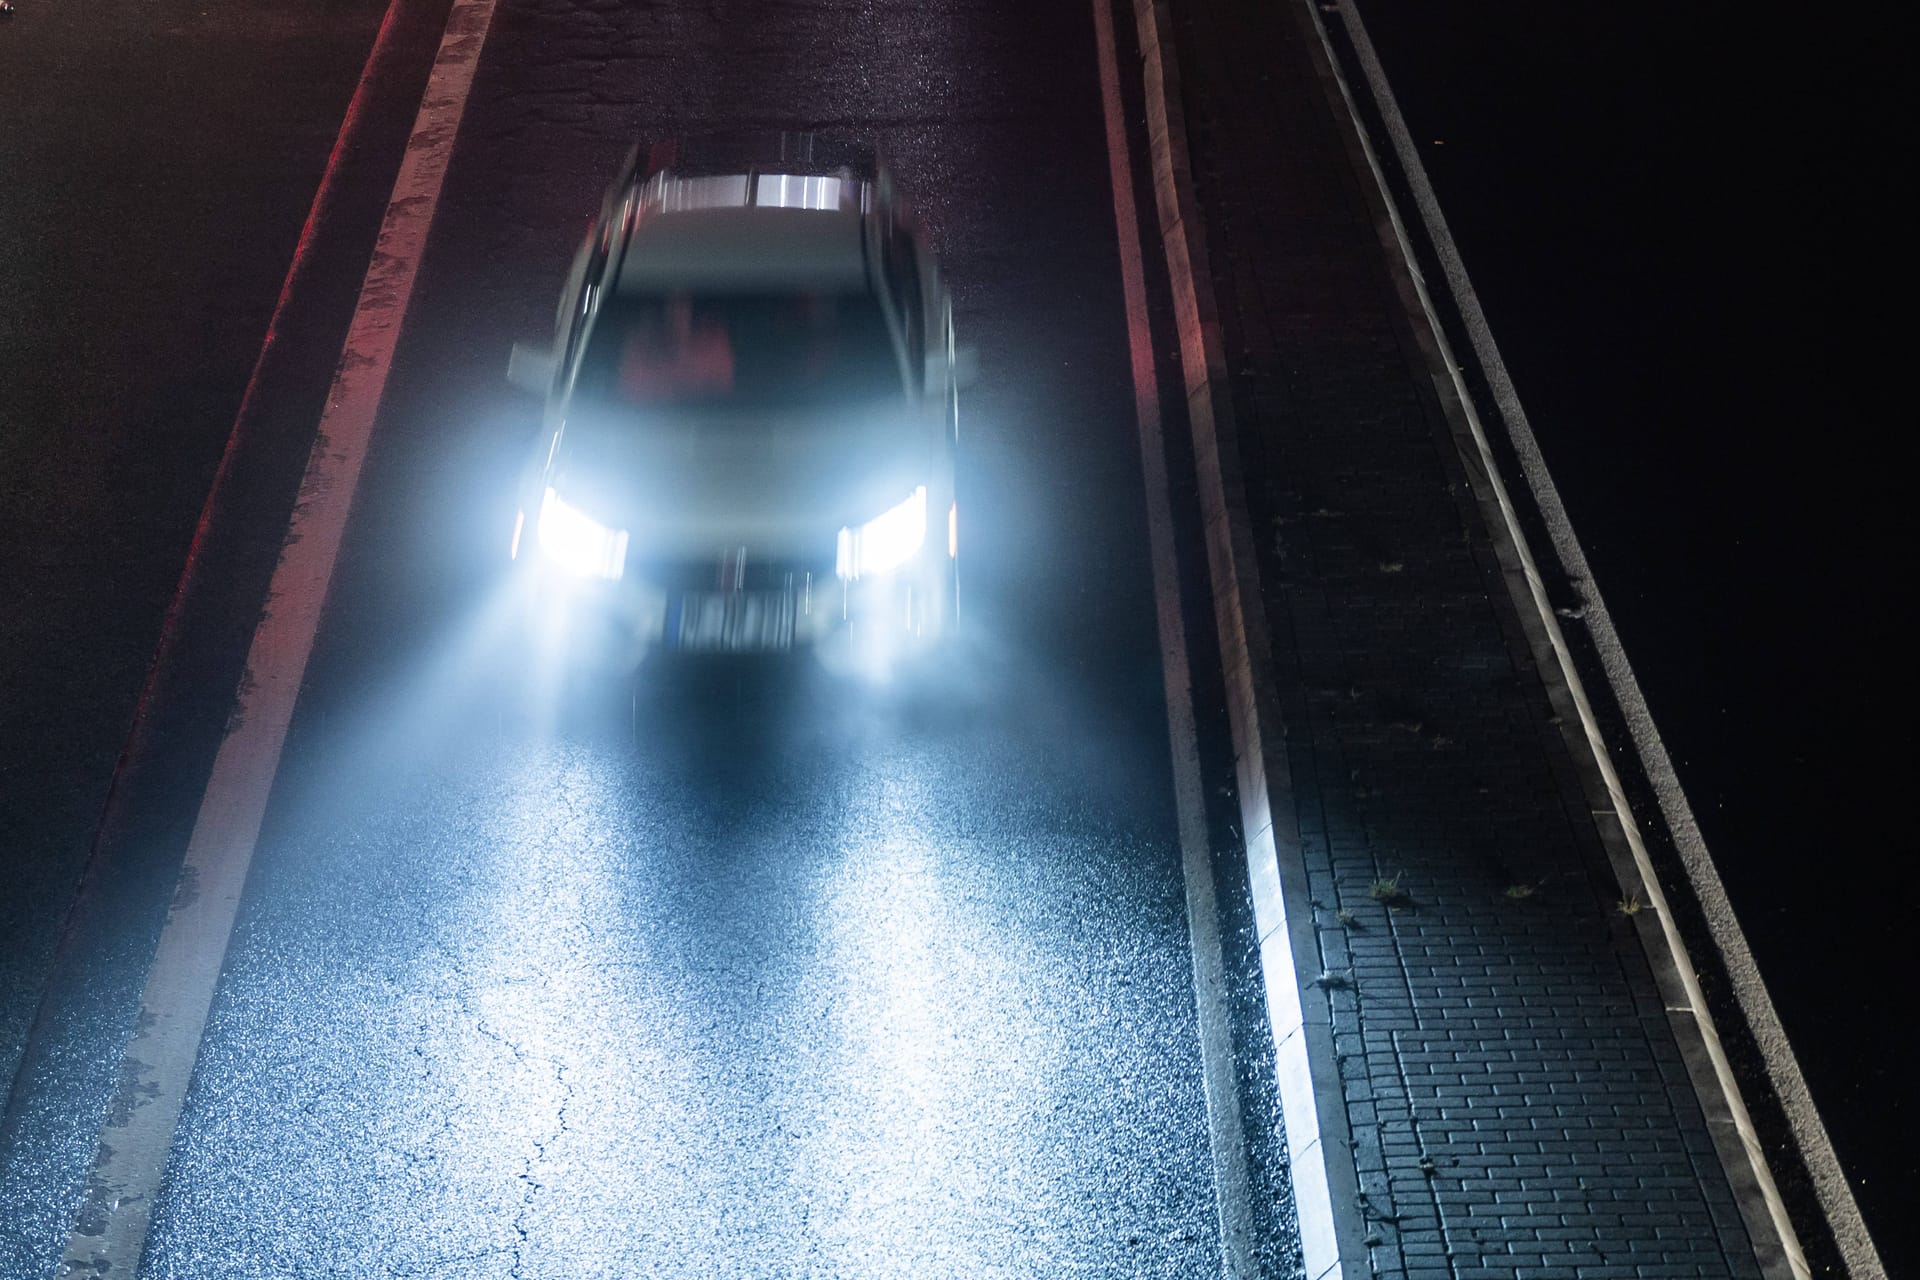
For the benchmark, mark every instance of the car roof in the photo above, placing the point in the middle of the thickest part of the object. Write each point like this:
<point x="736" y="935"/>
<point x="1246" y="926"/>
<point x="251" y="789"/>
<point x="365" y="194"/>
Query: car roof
<point x="703" y="234"/>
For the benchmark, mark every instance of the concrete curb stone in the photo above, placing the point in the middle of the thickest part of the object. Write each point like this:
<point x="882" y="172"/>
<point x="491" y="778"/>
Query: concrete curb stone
<point x="1497" y="1084"/>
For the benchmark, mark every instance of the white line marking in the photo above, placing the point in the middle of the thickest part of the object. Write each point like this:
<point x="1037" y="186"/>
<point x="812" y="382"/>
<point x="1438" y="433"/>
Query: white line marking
<point x="1226" y="1133"/>
<point x="1326" y="1192"/>
<point x="1783" y="1068"/>
<point x="110" y="1227"/>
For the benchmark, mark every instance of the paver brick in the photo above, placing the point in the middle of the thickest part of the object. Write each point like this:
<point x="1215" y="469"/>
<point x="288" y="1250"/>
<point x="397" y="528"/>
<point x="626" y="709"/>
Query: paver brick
<point x="1518" y="1045"/>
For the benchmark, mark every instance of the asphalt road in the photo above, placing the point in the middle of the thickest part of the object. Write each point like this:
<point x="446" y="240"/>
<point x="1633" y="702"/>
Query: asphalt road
<point x="743" y="983"/>
<point x="740" y="971"/>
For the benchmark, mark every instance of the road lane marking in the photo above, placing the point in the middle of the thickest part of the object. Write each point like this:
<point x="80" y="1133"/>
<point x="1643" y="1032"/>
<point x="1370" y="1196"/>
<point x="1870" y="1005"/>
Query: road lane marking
<point x="110" y="1227"/>
<point x="135" y="746"/>
<point x="1225" y="1130"/>
<point x="1325" y="1183"/>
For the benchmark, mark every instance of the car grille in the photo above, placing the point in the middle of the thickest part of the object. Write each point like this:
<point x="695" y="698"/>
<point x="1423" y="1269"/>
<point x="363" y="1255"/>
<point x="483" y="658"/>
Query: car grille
<point x="727" y="573"/>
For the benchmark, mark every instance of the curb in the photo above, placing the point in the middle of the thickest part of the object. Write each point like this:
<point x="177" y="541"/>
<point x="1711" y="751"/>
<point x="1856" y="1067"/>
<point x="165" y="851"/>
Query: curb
<point x="1737" y="1142"/>
<point x="1319" y="1142"/>
<point x="1740" y="1146"/>
<point x="1332" y="1216"/>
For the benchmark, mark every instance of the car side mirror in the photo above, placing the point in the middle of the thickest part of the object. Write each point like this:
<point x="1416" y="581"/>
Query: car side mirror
<point x="531" y="368"/>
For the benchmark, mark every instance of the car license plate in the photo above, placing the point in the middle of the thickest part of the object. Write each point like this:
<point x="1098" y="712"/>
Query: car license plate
<point x="735" y="621"/>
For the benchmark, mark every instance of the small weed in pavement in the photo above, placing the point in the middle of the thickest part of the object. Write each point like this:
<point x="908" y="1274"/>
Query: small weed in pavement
<point x="1388" y="892"/>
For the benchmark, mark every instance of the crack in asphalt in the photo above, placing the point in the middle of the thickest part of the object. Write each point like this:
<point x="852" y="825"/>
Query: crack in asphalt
<point x="531" y="1185"/>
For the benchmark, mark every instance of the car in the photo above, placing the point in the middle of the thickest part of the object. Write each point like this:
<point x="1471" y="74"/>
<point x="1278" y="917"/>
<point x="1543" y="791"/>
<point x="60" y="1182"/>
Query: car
<point x="751" y="423"/>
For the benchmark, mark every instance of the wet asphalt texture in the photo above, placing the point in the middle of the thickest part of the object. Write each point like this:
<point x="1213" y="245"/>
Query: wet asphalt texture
<point x="744" y="970"/>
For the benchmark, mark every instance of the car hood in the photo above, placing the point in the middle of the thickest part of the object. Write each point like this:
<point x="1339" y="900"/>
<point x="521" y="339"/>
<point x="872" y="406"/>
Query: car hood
<point x="778" y="484"/>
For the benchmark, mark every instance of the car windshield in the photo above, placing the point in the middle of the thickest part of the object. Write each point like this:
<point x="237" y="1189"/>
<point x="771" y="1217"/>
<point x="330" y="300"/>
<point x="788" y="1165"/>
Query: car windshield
<point x="800" y="350"/>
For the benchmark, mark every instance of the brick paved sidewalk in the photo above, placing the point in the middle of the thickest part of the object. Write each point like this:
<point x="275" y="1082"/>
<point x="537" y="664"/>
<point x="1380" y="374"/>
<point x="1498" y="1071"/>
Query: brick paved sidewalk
<point x="1518" y="1102"/>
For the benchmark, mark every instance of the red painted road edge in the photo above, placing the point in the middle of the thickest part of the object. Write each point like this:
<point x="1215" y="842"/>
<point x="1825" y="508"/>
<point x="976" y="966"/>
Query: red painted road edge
<point x="353" y="126"/>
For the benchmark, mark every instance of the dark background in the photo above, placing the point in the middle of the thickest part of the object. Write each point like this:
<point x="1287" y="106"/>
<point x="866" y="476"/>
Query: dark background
<point x="1683" y="230"/>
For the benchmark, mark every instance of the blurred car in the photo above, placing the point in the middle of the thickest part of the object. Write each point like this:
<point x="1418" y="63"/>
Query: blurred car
<point x="751" y="411"/>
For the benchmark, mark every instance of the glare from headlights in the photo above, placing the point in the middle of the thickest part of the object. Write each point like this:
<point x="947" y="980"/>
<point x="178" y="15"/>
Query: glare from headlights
<point x="578" y="544"/>
<point x="885" y="542"/>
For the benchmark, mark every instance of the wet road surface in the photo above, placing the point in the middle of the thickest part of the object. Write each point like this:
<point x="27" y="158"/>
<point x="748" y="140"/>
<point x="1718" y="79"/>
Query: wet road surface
<point x="752" y="971"/>
<point x="785" y="988"/>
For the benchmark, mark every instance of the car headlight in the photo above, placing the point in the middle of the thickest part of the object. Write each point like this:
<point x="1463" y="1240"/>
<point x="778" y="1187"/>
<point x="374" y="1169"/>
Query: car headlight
<point x="885" y="542"/>
<point x="577" y="543"/>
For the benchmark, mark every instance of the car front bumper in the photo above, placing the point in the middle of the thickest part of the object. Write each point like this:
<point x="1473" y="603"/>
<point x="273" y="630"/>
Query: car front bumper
<point x="746" y="609"/>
